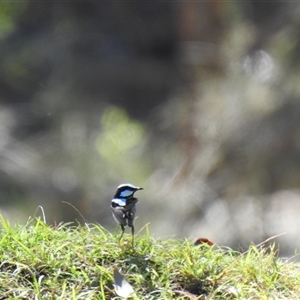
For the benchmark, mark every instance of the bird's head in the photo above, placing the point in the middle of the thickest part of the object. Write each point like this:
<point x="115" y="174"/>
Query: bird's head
<point x="126" y="190"/>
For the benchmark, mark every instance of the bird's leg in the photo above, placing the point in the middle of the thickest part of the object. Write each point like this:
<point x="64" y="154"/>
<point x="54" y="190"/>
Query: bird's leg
<point x="132" y="233"/>
<point x="123" y="229"/>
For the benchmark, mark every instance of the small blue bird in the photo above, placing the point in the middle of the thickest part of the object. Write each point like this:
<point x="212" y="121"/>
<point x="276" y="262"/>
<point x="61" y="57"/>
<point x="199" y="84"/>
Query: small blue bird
<point x="123" y="207"/>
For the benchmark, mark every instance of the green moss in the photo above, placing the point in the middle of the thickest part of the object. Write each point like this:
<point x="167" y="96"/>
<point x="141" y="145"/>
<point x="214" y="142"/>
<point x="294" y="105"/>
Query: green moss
<point x="73" y="262"/>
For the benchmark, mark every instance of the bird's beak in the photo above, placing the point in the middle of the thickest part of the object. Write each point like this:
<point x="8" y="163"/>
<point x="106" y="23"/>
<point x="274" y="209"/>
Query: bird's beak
<point x="140" y="188"/>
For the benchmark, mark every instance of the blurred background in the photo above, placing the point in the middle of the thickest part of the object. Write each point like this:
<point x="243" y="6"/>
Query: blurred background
<point x="197" y="102"/>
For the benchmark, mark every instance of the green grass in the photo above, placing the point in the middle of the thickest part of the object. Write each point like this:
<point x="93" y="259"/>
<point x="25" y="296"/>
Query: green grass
<point x="38" y="261"/>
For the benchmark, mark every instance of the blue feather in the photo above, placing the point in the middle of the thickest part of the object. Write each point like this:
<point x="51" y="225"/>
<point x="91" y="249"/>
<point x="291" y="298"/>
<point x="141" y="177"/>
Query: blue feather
<point x="126" y="193"/>
<point x="119" y="201"/>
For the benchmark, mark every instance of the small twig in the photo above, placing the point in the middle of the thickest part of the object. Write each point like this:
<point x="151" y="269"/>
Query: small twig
<point x="81" y="215"/>
<point x="267" y="240"/>
<point x="43" y="212"/>
<point x="142" y="228"/>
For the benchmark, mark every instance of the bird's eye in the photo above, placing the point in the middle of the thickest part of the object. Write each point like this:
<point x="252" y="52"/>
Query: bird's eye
<point x="126" y="193"/>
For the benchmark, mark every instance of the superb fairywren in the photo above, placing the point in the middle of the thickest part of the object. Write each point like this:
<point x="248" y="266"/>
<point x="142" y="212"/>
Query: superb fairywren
<point x="123" y="207"/>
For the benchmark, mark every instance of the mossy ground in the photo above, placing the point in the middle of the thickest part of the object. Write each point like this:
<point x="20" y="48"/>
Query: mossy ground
<point x="38" y="261"/>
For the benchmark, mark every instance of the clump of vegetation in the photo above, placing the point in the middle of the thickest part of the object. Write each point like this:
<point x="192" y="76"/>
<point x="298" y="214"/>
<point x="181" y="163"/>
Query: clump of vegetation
<point x="39" y="261"/>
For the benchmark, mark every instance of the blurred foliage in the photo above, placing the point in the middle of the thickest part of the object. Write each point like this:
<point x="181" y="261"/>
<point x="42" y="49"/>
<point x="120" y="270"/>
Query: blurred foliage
<point x="8" y="13"/>
<point x="120" y="146"/>
<point x="198" y="103"/>
<point x="119" y="136"/>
